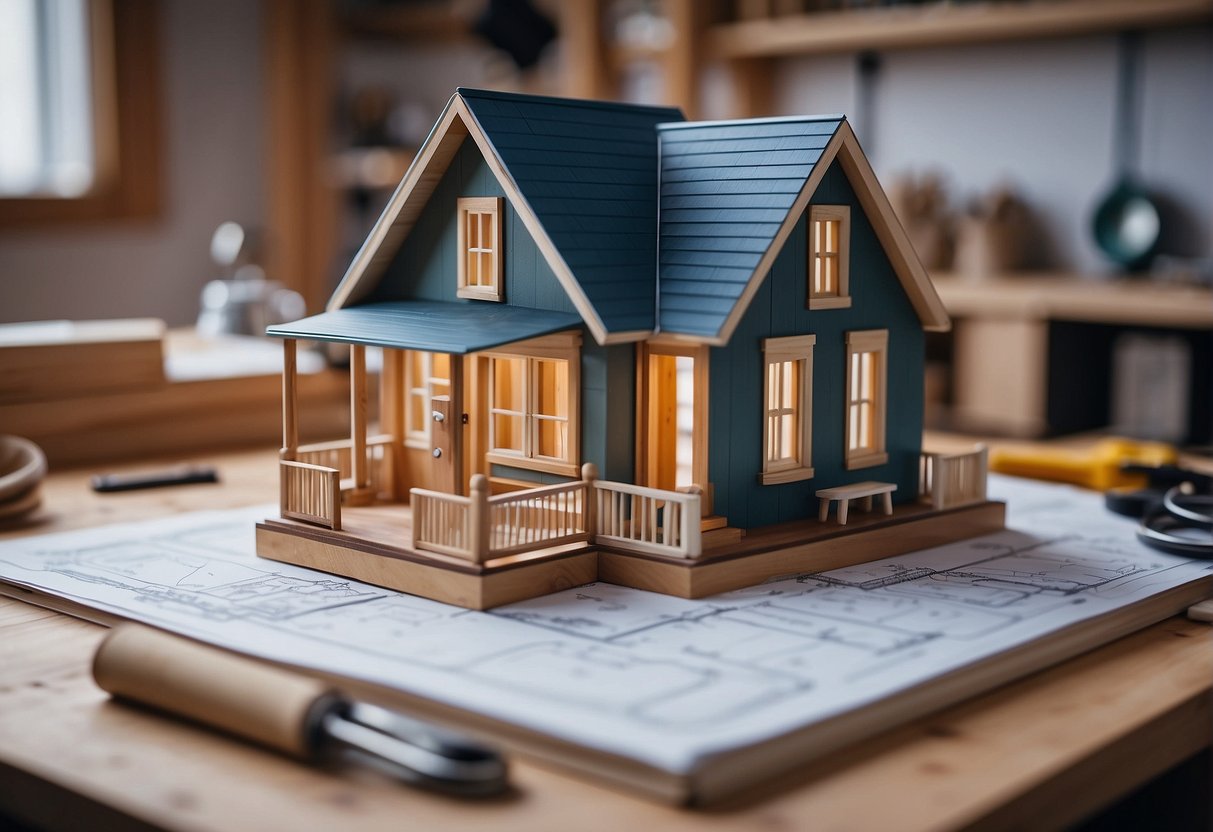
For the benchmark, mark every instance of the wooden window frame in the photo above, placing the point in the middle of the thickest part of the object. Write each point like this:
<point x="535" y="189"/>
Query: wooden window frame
<point x="127" y="124"/>
<point x="493" y="206"/>
<point x="797" y="350"/>
<point x="841" y="298"/>
<point x="876" y="342"/>
<point x="559" y="347"/>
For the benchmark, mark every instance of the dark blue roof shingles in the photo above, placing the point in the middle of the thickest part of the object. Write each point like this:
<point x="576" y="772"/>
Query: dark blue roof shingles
<point x="726" y="188"/>
<point x="589" y="172"/>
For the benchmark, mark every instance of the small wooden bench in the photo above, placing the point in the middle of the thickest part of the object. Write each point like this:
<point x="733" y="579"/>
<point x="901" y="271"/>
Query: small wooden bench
<point x="845" y="493"/>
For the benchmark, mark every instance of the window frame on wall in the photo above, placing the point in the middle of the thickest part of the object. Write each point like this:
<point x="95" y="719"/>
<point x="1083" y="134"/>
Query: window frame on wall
<point x="563" y="350"/>
<point x="480" y="266"/>
<point x="124" y="39"/>
<point x="421" y="384"/>
<point x="787" y="391"/>
<point x="829" y="272"/>
<point x="867" y="389"/>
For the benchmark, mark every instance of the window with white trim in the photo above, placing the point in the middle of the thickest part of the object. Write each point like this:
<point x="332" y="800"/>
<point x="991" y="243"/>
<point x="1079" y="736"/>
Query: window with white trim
<point x="788" y="409"/>
<point x="533" y="410"/>
<point x="426" y="374"/>
<point x="867" y="364"/>
<point x="480" y="253"/>
<point x="829" y="231"/>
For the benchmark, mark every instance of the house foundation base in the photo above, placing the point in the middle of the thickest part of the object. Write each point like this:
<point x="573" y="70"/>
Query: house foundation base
<point x="833" y="549"/>
<point x="464" y="584"/>
<point x="520" y="577"/>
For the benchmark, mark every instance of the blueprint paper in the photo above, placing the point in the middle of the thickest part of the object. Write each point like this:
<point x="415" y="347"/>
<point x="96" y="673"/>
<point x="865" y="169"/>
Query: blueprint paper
<point x="661" y="680"/>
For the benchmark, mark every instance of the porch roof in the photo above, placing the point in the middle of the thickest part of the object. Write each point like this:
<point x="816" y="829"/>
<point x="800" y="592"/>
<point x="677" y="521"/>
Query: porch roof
<point x="457" y="327"/>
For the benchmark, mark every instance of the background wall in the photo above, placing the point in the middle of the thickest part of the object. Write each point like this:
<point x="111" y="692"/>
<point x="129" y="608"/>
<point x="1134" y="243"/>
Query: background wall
<point x="213" y="145"/>
<point x="1039" y="114"/>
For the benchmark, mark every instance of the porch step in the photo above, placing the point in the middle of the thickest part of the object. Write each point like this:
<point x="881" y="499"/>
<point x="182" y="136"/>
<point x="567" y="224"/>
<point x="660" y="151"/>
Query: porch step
<point x="721" y="536"/>
<point x="713" y="522"/>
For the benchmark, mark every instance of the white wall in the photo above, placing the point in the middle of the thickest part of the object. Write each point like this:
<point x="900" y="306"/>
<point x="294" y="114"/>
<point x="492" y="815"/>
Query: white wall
<point x="213" y="147"/>
<point x="1039" y="114"/>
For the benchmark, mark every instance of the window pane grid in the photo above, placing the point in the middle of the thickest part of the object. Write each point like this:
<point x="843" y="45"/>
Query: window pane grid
<point x="529" y="408"/>
<point x="783" y="418"/>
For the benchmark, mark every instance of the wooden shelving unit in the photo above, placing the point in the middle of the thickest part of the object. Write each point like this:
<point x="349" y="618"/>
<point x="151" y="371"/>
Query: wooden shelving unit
<point x="942" y="24"/>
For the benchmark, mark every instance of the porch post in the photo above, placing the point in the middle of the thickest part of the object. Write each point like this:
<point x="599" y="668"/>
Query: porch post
<point x="358" y="417"/>
<point x="290" y="402"/>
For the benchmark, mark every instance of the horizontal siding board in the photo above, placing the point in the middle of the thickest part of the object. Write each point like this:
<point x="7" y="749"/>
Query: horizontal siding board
<point x="674" y="134"/>
<point x="674" y="277"/>
<point x="742" y="245"/>
<point x="725" y="186"/>
<point x="671" y="148"/>
<point x="675" y="257"/>
<point x="718" y="215"/>
<point x="780" y="201"/>
<point x="797" y="173"/>
<point x="690" y="323"/>
<point x="705" y="304"/>
<point x="799" y="156"/>
<point x="641" y="148"/>
<point x="765" y="230"/>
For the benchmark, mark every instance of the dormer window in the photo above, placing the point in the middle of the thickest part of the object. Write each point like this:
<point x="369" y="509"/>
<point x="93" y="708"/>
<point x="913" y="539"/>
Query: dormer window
<point x="480" y="254"/>
<point x="829" y="253"/>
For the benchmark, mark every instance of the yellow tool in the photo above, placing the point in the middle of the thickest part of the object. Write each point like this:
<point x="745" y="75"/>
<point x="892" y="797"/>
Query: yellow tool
<point x="1097" y="467"/>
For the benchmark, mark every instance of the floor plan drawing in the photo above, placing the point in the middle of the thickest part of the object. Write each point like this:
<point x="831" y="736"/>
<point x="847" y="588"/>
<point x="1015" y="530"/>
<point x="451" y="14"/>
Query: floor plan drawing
<point x="652" y="677"/>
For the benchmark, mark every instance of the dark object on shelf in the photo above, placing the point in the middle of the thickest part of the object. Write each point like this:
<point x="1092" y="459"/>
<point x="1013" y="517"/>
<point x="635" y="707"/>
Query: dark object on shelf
<point x="181" y="475"/>
<point x="517" y="28"/>
<point x="1127" y="223"/>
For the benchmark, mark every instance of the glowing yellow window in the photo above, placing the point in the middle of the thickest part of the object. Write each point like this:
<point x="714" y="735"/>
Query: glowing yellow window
<point x="867" y="360"/>
<point x="532" y="412"/>
<point x="480" y="253"/>
<point x="829" y="252"/>
<point x="788" y="407"/>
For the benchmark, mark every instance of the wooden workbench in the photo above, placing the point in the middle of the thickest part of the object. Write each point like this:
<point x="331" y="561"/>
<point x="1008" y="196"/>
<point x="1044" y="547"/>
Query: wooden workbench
<point x="1039" y="754"/>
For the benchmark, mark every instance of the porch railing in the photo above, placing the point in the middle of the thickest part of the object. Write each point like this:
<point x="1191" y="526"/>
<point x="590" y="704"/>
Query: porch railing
<point x="339" y="454"/>
<point x="479" y="528"/>
<point x="648" y="520"/>
<point x="311" y="493"/>
<point x="955" y="479"/>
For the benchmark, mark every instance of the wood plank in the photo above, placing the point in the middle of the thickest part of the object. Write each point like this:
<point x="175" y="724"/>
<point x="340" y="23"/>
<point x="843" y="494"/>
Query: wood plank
<point x="941" y="24"/>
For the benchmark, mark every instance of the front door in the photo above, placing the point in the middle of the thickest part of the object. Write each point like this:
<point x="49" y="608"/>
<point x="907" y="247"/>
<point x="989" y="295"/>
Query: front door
<point x="673" y="418"/>
<point x="444" y="431"/>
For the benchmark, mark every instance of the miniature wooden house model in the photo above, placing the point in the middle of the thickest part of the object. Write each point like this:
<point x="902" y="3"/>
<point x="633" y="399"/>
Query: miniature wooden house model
<point x="621" y="346"/>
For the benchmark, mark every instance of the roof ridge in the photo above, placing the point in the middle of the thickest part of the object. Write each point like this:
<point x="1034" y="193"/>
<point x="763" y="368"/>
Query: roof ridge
<point x="473" y="92"/>
<point x="738" y="122"/>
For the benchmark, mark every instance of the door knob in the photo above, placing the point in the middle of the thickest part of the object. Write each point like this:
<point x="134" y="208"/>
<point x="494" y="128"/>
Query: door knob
<point x="437" y="453"/>
<point x="438" y="415"/>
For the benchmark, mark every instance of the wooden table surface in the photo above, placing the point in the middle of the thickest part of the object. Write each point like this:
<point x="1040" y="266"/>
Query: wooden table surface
<point x="1039" y="754"/>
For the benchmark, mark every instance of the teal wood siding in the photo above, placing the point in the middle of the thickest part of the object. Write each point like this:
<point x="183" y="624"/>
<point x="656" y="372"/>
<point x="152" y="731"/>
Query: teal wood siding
<point x="779" y="309"/>
<point x="425" y="269"/>
<point x="425" y="266"/>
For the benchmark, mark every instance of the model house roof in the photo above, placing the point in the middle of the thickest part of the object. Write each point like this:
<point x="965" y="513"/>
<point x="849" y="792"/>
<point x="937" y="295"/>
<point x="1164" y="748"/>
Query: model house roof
<point x="726" y="189"/>
<point x="650" y="223"/>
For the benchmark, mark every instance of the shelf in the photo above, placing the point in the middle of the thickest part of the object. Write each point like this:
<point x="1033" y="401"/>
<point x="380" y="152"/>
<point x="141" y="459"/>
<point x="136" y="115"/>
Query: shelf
<point x="940" y="24"/>
<point x="1040" y="297"/>
<point x="435" y="22"/>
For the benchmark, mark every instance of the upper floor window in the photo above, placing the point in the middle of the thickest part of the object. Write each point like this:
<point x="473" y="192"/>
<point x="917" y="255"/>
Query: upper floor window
<point x="867" y="367"/>
<point x="480" y="255"/>
<point x="829" y="252"/>
<point x="788" y="404"/>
